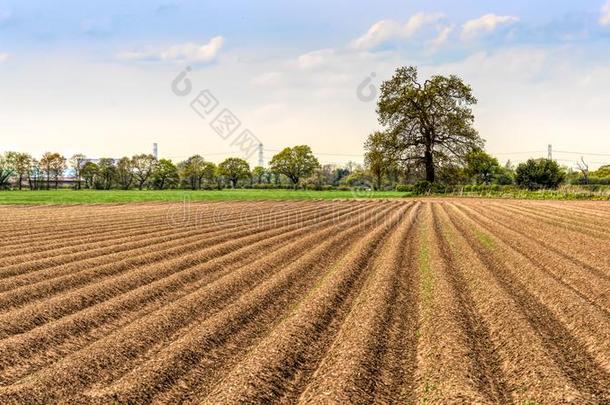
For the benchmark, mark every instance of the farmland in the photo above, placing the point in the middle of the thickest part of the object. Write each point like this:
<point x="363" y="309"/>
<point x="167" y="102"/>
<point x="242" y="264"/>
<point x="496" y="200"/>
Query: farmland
<point x="67" y="196"/>
<point x="351" y="301"/>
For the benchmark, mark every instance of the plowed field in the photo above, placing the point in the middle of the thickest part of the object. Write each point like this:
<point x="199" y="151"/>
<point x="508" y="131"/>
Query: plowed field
<point x="398" y="301"/>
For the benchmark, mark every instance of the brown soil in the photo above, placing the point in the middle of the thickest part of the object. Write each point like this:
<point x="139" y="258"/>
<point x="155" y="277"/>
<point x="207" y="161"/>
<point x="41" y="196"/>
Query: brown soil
<point x="433" y="301"/>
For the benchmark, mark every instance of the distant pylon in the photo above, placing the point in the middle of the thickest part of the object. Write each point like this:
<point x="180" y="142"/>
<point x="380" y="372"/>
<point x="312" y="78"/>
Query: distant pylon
<point x="550" y="157"/>
<point x="155" y="151"/>
<point x="261" y="161"/>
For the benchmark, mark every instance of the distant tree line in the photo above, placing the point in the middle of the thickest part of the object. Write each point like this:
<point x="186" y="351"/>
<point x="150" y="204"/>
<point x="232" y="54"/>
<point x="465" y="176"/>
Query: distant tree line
<point x="293" y="167"/>
<point x="19" y="168"/>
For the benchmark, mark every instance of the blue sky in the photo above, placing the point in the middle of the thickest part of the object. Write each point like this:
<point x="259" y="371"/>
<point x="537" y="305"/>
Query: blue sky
<point x="96" y="77"/>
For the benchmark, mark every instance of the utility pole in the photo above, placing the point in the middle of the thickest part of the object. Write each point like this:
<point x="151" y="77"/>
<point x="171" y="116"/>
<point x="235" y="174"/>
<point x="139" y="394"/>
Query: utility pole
<point x="550" y="157"/>
<point x="155" y="150"/>
<point x="261" y="161"/>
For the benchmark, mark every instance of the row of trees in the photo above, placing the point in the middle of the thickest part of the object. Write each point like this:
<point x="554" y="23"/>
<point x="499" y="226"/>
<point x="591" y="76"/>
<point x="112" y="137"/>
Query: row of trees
<point x="39" y="173"/>
<point x="291" y="165"/>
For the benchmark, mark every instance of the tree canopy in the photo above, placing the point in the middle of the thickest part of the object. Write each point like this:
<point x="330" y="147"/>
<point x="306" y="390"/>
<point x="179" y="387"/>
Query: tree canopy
<point x="7" y="167"/>
<point x="234" y="169"/>
<point x="77" y="161"/>
<point x="481" y="167"/>
<point x="23" y="165"/>
<point x="427" y="123"/>
<point x="90" y="172"/>
<point x="143" y="166"/>
<point x="259" y="173"/>
<point x="295" y="163"/>
<point x="165" y="174"/>
<point x="603" y="171"/>
<point x="124" y="172"/>
<point x="375" y="157"/>
<point x="539" y="173"/>
<point x="53" y="165"/>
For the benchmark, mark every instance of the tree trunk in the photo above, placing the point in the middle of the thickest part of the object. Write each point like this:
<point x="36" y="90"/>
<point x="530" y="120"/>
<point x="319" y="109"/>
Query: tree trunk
<point x="20" y="181"/>
<point x="429" y="162"/>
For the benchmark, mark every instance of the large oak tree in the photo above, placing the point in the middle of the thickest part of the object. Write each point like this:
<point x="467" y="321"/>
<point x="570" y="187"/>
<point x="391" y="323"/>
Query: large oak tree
<point x="427" y="123"/>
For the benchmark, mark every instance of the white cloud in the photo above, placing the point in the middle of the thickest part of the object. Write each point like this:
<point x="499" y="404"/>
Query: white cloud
<point x="182" y="52"/>
<point x="314" y="59"/>
<point x="3" y="57"/>
<point x="605" y="17"/>
<point x="191" y="51"/>
<point x="385" y="30"/>
<point x="441" y="37"/>
<point x="485" y="25"/>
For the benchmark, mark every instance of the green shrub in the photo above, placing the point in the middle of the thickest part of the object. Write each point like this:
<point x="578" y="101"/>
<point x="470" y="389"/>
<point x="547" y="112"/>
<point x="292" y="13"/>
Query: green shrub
<point x="599" y="180"/>
<point x="422" y="187"/>
<point x="404" y="188"/>
<point x="538" y="174"/>
<point x="437" y="188"/>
